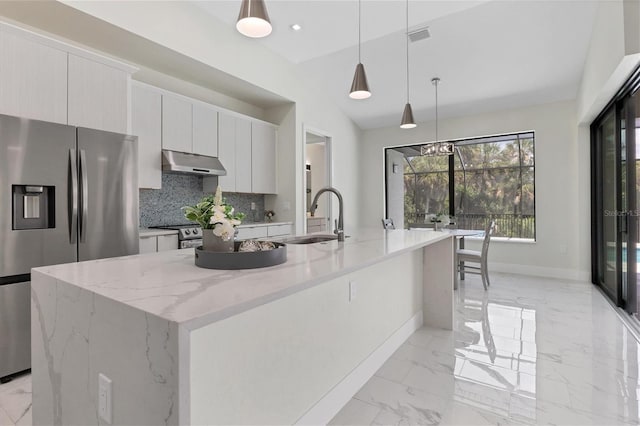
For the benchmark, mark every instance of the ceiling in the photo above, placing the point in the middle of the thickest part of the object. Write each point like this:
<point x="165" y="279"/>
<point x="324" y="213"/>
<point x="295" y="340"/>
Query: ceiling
<point x="490" y="55"/>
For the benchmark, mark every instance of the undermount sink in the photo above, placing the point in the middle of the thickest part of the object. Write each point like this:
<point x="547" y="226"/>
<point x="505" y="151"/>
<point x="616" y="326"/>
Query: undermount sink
<point x="310" y="239"/>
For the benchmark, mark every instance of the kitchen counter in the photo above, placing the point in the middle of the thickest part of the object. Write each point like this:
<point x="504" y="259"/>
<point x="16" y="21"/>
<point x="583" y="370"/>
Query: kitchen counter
<point x="161" y="327"/>
<point x="255" y="224"/>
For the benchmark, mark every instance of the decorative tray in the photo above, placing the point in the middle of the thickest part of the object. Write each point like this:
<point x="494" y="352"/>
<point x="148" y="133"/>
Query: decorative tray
<point x="241" y="259"/>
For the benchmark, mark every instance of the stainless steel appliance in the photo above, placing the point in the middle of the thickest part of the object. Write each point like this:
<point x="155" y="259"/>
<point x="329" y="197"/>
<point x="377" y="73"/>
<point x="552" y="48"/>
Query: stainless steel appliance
<point x="67" y="194"/>
<point x="193" y="164"/>
<point x="189" y="236"/>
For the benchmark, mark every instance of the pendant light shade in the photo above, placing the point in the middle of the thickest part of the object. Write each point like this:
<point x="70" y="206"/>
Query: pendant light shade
<point x="360" y="86"/>
<point x="253" y="20"/>
<point x="407" y="118"/>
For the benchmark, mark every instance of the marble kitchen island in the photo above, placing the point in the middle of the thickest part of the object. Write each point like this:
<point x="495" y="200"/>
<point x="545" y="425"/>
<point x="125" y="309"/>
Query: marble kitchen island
<point x="184" y="345"/>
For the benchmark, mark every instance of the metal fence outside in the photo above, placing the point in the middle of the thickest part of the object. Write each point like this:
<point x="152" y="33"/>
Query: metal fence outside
<point x="507" y="225"/>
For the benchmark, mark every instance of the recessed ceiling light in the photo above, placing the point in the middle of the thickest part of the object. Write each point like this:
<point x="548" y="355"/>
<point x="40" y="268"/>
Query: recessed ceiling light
<point x="296" y="27"/>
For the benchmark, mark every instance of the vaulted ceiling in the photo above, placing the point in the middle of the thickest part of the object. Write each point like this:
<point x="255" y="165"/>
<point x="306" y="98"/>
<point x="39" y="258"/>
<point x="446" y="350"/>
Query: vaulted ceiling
<point x="489" y="55"/>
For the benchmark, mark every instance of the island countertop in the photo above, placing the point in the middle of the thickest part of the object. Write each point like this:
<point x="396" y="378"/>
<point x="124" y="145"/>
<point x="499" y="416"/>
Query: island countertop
<point x="170" y="286"/>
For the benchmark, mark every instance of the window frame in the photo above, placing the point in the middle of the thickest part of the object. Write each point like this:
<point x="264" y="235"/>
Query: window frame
<point x="503" y="137"/>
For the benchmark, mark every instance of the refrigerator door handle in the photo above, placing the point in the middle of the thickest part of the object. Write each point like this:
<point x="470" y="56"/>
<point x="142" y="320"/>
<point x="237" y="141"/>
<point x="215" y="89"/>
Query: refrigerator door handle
<point x="73" y="196"/>
<point x="84" y="196"/>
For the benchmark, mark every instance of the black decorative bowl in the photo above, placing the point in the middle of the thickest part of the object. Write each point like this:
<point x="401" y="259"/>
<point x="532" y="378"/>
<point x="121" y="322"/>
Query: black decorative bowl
<point x="241" y="259"/>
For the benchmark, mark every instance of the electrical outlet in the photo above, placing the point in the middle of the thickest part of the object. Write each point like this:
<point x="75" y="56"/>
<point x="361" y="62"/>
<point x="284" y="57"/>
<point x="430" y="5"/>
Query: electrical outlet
<point x="286" y="205"/>
<point x="104" y="397"/>
<point x="253" y="206"/>
<point x="353" y="290"/>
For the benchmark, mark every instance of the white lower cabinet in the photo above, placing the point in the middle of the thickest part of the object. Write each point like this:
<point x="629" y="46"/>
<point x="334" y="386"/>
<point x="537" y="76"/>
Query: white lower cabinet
<point x="148" y="245"/>
<point x="264" y="231"/>
<point x="167" y="242"/>
<point x="155" y="243"/>
<point x="252" y="232"/>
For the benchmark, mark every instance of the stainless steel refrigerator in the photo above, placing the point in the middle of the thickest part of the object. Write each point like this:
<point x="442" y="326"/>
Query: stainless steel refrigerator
<point x="67" y="194"/>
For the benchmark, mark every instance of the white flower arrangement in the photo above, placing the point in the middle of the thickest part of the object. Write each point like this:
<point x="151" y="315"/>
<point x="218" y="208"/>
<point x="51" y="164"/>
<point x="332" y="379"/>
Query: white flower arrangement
<point x="212" y="213"/>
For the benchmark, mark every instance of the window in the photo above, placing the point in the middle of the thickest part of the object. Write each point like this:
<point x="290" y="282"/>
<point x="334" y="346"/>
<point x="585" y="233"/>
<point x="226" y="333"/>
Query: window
<point x="487" y="178"/>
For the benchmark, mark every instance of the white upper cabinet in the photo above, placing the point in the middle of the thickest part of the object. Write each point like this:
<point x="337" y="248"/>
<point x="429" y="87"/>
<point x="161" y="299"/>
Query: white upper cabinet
<point x="205" y="130"/>
<point x="33" y="79"/>
<point x="146" y="123"/>
<point x="243" y="155"/>
<point x="247" y="150"/>
<point x="263" y="158"/>
<point x="98" y="95"/>
<point x="227" y="151"/>
<point x="177" y="124"/>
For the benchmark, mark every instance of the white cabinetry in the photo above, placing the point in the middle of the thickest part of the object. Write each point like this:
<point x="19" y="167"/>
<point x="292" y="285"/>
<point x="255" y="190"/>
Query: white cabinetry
<point x="146" y="123"/>
<point x="177" y="124"/>
<point x="167" y="242"/>
<point x="205" y="130"/>
<point x="98" y="95"/>
<point x="227" y="151"/>
<point x="264" y="231"/>
<point x="243" y="155"/>
<point x="263" y="158"/>
<point x="155" y="243"/>
<point x="148" y="245"/>
<point x="189" y="126"/>
<point x="247" y="150"/>
<point x="33" y="79"/>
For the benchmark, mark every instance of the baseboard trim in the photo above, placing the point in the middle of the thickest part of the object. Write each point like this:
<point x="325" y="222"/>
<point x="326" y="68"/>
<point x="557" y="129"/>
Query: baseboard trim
<point x="540" y="271"/>
<point x="326" y="409"/>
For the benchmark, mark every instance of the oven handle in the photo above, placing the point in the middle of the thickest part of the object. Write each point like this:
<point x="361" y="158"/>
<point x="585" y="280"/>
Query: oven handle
<point x="191" y="243"/>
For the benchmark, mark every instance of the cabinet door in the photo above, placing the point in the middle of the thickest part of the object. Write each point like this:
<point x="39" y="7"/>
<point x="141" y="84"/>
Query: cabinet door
<point x="227" y="151"/>
<point x="146" y="123"/>
<point x="263" y="158"/>
<point x="243" y="155"/>
<point x="98" y="95"/>
<point x="148" y="245"/>
<point x="167" y="242"/>
<point x="33" y="80"/>
<point x="252" y="232"/>
<point x="205" y="130"/>
<point x="176" y="124"/>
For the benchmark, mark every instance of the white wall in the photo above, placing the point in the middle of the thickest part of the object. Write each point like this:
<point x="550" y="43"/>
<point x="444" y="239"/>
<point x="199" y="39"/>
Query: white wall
<point x="223" y="48"/>
<point x="614" y="52"/>
<point x="561" y="207"/>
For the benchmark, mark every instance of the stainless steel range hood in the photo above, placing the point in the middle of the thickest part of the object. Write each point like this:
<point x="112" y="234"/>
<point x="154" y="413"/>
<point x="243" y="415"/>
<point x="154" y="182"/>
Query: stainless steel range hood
<point x="193" y="164"/>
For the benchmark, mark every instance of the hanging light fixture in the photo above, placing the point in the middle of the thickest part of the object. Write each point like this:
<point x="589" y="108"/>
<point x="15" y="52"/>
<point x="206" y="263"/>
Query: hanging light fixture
<point x="407" y="116"/>
<point x="253" y="20"/>
<point x="437" y="148"/>
<point x="360" y="86"/>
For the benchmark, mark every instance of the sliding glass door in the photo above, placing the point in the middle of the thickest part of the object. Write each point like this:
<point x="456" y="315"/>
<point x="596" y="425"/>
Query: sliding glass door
<point x="615" y="198"/>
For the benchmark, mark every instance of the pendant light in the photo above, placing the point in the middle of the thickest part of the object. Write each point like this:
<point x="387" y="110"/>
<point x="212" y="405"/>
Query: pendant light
<point x="437" y="147"/>
<point x="407" y="116"/>
<point x="360" y="86"/>
<point x="253" y="20"/>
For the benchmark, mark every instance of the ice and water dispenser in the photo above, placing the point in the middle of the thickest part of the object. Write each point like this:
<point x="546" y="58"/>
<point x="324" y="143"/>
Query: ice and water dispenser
<point x="33" y="207"/>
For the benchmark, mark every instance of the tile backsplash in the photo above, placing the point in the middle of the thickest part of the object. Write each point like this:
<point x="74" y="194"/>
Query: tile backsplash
<point x="160" y="207"/>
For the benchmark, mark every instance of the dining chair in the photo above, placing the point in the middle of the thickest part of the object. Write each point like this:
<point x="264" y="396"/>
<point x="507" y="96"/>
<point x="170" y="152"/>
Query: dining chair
<point x="388" y="224"/>
<point x="464" y="256"/>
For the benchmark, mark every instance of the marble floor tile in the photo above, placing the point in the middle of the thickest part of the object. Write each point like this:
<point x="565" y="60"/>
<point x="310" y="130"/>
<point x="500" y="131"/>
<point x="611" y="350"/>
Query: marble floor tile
<point x="356" y="412"/>
<point x="527" y="351"/>
<point x="15" y="399"/>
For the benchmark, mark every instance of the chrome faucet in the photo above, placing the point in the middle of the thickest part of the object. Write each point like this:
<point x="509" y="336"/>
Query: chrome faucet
<point x="339" y="231"/>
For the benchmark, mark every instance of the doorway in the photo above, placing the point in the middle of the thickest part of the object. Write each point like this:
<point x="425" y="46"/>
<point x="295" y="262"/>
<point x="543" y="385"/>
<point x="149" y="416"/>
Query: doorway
<point x="317" y="175"/>
<point x="615" y="171"/>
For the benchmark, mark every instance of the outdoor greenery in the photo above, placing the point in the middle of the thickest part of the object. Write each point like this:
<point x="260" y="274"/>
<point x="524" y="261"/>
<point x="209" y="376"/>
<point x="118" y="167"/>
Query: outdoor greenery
<point x="493" y="178"/>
